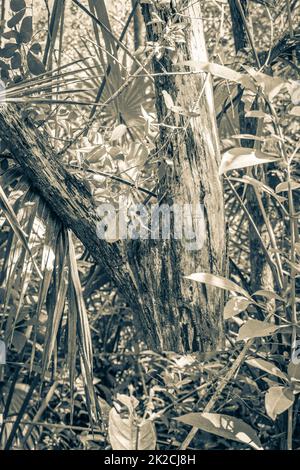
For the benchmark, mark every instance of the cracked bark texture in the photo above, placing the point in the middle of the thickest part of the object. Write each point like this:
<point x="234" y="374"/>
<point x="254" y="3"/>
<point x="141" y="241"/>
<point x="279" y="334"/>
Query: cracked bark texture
<point x="171" y="312"/>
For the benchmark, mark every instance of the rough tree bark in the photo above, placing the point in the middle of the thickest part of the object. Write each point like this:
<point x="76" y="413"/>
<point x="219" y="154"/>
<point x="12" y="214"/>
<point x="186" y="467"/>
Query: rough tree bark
<point x="192" y="314"/>
<point x="138" y="27"/>
<point x="172" y="312"/>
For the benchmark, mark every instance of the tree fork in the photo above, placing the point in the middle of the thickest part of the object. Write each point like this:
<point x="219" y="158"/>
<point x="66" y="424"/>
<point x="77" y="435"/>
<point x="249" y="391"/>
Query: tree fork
<point x="190" y="317"/>
<point x="173" y="313"/>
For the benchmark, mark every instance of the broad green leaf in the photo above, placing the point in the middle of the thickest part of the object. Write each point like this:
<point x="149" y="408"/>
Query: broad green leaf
<point x="8" y="50"/>
<point x="268" y="294"/>
<point x="217" y="70"/>
<point x="235" y="305"/>
<point x="99" y="179"/>
<point x="118" y="132"/>
<point x="258" y="114"/>
<point x="270" y="85"/>
<point x="294" y="371"/>
<point x="26" y="30"/>
<point x="130" y="402"/>
<point x="16" y="61"/>
<point x="294" y="90"/>
<point x="269" y="382"/>
<point x="256" y="329"/>
<point x="267" y="366"/>
<point x="295" y="111"/>
<point x="168" y="100"/>
<point x="10" y="35"/>
<point x="130" y="433"/>
<point x="278" y="400"/>
<point x="217" y="281"/>
<point x="36" y="48"/>
<point x="283" y="187"/>
<point x="248" y="137"/>
<point x="224" y="72"/>
<point x="224" y="426"/>
<point x="36" y="67"/>
<point x="17" y="5"/>
<point x="240" y="157"/>
<point x="15" y="19"/>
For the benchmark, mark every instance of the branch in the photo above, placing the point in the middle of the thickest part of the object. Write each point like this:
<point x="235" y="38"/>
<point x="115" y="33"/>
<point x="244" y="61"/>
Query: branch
<point x="67" y="196"/>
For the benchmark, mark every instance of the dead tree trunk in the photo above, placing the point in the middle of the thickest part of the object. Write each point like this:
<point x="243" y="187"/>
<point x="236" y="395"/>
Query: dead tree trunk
<point x="138" y="26"/>
<point x="189" y="317"/>
<point x="170" y="311"/>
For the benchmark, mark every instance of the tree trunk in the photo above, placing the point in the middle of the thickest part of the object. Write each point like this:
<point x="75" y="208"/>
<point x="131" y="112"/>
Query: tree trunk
<point x="138" y="26"/>
<point x="189" y="316"/>
<point x="172" y="313"/>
